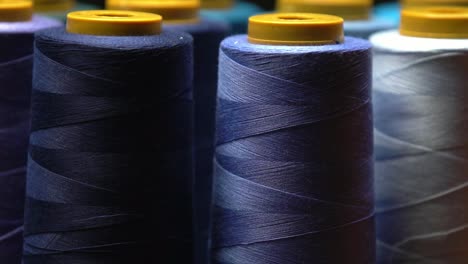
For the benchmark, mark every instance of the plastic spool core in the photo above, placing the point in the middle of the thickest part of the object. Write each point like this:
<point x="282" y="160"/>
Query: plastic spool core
<point x="295" y="29"/>
<point x="217" y="4"/>
<point x="172" y="11"/>
<point x="53" y="5"/>
<point x="113" y="23"/>
<point x="15" y="10"/>
<point x="435" y="22"/>
<point x="347" y="9"/>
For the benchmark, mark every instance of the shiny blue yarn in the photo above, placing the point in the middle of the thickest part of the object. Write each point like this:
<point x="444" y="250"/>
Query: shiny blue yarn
<point x="16" y="48"/>
<point x="237" y="16"/>
<point x="365" y="28"/>
<point x="110" y="161"/>
<point x="207" y="36"/>
<point x="294" y="164"/>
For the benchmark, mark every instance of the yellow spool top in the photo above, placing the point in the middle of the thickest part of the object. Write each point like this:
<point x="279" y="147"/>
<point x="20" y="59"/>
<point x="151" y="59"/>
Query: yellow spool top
<point x="53" y="5"/>
<point x="15" y="10"/>
<point x="347" y="9"/>
<point x="217" y="4"/>
<point x="420" y="3"/>
<point x="173" y="11"/>
<point x="435" y="22"/>
<point x="113" y="23"/>
<point x="295" y="29"/>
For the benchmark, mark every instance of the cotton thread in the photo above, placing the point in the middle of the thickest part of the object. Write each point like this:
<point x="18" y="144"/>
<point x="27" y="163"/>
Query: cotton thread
<point x="110" y="162"/>
<point x="293" y="169"/>
<point x="421" y="148"/>
<point x="16" y="46"/>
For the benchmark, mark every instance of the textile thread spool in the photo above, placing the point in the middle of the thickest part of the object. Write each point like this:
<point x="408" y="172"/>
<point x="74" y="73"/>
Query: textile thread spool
<point x="357" y="14"/>
<point x="388" y="11"/>
<point x="421" y="148"/>
<point x="109" y="171"/>
<point x="207" y="36"/>
<point x="17" y="28"/>
<point x="293" y="170"/>
<point x="236" y="13"/>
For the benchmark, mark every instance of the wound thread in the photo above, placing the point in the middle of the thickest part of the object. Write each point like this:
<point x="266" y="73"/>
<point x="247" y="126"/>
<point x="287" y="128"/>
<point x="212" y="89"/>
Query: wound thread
<point x="110" y="162"/>
<point x="207" y="36"/>
<point x="16" y="59"/>
<point x="421" y="147"/>
<point x="282" y="193"/>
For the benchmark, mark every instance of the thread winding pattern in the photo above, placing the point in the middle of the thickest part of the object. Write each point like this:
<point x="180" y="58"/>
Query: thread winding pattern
<point x="293" y="169"/>
<point x="421" y="156"/>
<point x="16" y="65"/>
<point x="110" y="162"/>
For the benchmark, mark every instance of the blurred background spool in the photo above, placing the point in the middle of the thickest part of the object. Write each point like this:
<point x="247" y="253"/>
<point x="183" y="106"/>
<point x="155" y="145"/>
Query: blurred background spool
<point x="389" y="11"/>
<point x="236" y="13"/>
<point x="110" y="162"/>
<point x="183" y="16"/>
<point x="293" y="170"/>
<point x="421" y="119"/>
<point x="357" y="14"/>
<point x="17" y="28"/>
<point x="59" y="8"/>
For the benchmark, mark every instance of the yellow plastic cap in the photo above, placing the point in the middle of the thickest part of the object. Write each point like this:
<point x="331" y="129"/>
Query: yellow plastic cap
<point x="295" y="29"/>
<point x="420" y="3"/>
<point x="15" y="10"/>
<point x="113" y="23"/>
<point x="217" y="4"/>
<point x="435" y="22"/>
<point x="53" y="5"/>
<point x="173" y="11"/>
<point x="347" y="9"/>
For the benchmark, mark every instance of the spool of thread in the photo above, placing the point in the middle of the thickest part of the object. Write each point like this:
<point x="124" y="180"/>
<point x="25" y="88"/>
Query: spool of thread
<point x="109" y="172"/>
<point x="357" y="14"/>
<point x="59" y="9"/>
<point x="236" y="13"/>
<point x="293" y="169"/>
<point x="420" y="141"/>
<point x="207" y="36"/>
<point x="17" y="28"/>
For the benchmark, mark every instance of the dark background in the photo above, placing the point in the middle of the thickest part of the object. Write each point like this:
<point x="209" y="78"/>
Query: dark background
<point x="266" y="4"/>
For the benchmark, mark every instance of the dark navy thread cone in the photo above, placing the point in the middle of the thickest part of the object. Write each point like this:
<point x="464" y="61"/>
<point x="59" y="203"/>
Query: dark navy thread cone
<point x="110" y="162"/>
